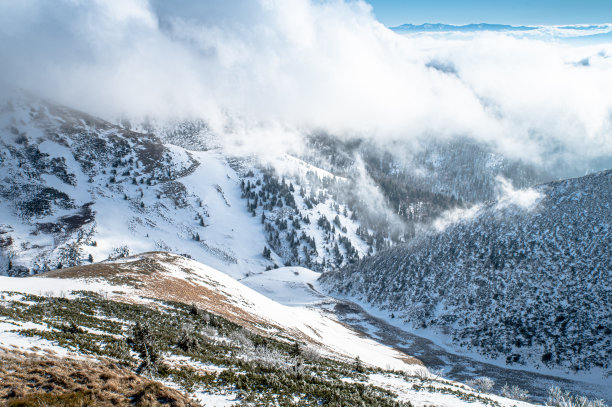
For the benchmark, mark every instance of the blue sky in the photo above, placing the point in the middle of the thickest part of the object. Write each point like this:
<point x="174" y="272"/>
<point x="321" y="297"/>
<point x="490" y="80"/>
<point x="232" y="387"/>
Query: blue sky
<point x="545" y="12"/>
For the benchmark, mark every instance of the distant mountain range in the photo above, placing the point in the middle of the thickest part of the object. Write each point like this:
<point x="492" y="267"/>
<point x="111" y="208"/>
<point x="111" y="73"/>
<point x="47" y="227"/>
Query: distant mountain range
<point x="595" y="32"/>
<point x="428" y="27"/>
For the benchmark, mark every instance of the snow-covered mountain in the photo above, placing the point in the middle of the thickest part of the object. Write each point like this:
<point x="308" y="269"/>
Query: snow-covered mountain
<point x="440" y="174"/>
<point x="77" y="189"/>
<point x="525" y="279"/>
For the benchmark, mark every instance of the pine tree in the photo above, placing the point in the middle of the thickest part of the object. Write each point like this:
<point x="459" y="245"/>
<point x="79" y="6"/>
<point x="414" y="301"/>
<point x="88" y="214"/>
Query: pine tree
<point x="358" y="366"/>
<point x="267" y="253"/>
<point x="295" y="349"/>
<point x="142" y="342"/>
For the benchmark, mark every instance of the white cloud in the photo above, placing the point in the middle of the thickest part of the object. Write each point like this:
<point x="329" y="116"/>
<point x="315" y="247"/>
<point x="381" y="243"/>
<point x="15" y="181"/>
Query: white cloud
<point x="270" y="70"/>
<point x="454" y="216"/>
<point x="524" y="198"/>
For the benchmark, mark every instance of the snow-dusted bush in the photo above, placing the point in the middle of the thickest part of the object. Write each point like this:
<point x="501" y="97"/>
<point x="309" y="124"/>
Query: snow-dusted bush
<point x="310" y="353"/>
<point x="560" y="398"/>
<point x="265" y="357"/>
<point x="118" y="350"/>
<point x="358" y="365"/>
<point x="188" y="340"/>
<point x="241" y="339"/>
<point x="422" y="374"/>
<point x="143" y="341"/>
<point x="514" y="392"/>
<point x="297" y="368"/>
<point x="483" y="384"/>
<point x="209" y="333"/>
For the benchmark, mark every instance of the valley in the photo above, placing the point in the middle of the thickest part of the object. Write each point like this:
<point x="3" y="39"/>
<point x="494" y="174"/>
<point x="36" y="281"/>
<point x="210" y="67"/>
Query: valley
<point x="287" y="248"/>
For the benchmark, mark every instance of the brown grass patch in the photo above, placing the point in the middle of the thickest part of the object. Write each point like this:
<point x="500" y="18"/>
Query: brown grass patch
<point x="146" y="273"/>
<point x="129" y="273"/>
<point x="31" y="380"/>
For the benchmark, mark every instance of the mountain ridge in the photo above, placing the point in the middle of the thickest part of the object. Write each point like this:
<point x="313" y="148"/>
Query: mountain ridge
<point x="434" y="27"/>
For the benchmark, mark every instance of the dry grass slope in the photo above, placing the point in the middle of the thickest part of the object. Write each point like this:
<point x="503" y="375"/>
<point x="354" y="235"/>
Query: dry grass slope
<point x="31" y="380"/>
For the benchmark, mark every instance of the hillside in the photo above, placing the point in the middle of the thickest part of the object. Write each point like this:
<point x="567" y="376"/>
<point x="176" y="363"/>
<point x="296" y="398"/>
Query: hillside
<point x="78" y="189"/>
<point x="197" y="330"/>
<point x="526" y="279"/>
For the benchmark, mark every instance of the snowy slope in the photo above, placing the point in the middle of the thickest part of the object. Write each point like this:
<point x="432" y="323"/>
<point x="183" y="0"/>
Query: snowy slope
<point x="291" y="286"/>
<point x="181" y="279"/>
<point x="154" y="277"/>
<point x="74" y="186"/>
